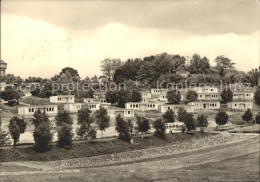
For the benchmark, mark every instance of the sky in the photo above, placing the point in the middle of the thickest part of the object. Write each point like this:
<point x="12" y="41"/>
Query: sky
<point x="39" y="38"/>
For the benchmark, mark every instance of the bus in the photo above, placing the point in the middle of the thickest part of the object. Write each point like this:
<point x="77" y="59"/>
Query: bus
<point x="175" y="127"/>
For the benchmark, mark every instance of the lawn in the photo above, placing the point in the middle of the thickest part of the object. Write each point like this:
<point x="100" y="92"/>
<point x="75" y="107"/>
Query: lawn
<point x="246" y="129"/>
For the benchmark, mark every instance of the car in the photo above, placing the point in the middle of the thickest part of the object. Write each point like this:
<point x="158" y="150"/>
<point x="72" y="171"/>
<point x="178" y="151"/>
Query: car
<point x="174" y="127"/>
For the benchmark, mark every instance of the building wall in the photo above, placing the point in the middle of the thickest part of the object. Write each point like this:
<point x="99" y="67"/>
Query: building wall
<point x="158" y="91"/>
<point x="62" y="99"/>
<point x="240" y="105"/>
<point x="205" y="105"/>
<point x="142" y="106"/>
<point x="175" y="107"/>
<point x="243" y="96"/>
<point x="30" y="110"/>
<point x="208" y="96"/>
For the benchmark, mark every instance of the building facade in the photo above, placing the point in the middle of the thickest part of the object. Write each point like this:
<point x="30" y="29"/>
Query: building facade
<point x="62" y="99"/>
<point x="142" y="106"/>
<point x="240" y="105"/>
<point x="75" y="107"/>
<point x="165" y="107"/>
<point x="28" y="111"/>
<point x="205" y="104"/>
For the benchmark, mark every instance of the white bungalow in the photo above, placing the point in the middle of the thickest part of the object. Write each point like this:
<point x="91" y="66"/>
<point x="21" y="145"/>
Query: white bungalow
<point x="165" y="107"/>
<point x="115" y="111"/>
<point x="28" y="111"/>
<point x="162" y="97"/>
<point x="143" y="106"/>
<point x="99" y="94"/>
<point x="205" y="104"/>
<point x="146" y="96"/>
<point x="207" y="93"/>
<point x="102" y="101"/>
<point x="62" y="99"/>
<point x="74" y="107"/>
<point x="156" y="91"/>
<point x="243" y="95"/>
<point x="240" y="105"/>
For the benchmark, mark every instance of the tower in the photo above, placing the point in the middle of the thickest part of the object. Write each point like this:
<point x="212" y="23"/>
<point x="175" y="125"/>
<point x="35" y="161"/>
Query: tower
<point x="3" y="66"/>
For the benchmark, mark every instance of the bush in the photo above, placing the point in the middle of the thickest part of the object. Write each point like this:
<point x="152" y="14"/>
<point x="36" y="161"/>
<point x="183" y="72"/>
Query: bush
<point x="181" y="114"/>
<point x="221" y="118"/>
<point x="16" y="127"/>
<point x="159" y="127"/>
<point x="247" y="116"/>
<point x="257" y="96"/>
<point x="42" y="137"/>
<point x="257" y="118"/>
<point x="63" y="117"/>
<point x="65" y="135"/>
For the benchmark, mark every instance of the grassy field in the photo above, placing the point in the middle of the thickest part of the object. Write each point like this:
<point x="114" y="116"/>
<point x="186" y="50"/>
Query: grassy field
<point x="246" y="129"/>
<point x="94" y="148"/>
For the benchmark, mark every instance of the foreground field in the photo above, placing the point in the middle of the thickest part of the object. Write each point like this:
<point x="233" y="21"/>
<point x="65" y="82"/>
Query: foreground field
<point x="231" y="160"/>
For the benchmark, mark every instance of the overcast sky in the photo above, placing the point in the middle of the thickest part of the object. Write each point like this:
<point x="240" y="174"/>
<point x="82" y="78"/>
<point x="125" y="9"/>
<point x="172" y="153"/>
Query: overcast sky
<point x="40" y="38"/>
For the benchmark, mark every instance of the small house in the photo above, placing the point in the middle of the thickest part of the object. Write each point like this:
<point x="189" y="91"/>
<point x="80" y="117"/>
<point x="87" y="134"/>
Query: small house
<point x="28" y="111"/>
<point x="62" y="99"/>
<point x="74" y="107"/>
<point x="165" y="107"/>
<point x="205" y="104"/>
<point x="240" y="105"/>
<point x="143" y="106"/>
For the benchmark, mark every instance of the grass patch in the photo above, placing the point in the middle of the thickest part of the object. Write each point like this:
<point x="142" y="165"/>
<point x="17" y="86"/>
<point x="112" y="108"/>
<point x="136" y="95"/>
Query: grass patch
<point x="246" y="129"/>
<point x="32" y="100"/>
<point x="94" y="148"/>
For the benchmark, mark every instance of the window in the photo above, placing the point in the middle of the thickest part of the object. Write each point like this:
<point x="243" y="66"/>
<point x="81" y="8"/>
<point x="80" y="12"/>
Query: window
<point x="129" y="112"/>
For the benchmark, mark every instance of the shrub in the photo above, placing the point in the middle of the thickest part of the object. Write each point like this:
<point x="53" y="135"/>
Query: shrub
<point x="181" y="114"/>
<point x="202" y="122"/>
<point x="227" y="95"/>
<point x="63" y="117"/>
<point x="257" y="96"/>
<point x="257" y="118"/>
<point x="221" y="118"/>
<point x="247" y="116"/>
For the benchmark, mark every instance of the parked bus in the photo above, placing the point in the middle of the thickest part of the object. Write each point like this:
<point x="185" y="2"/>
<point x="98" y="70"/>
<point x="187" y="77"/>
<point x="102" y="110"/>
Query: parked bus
<point x="175" y="127"/>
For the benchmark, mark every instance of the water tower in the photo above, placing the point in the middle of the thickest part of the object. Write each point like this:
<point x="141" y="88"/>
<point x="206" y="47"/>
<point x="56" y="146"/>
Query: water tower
<point x="3" y="66"/>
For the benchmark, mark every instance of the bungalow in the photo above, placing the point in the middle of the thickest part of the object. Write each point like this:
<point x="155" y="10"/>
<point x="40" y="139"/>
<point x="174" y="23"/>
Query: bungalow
<point x="156" y="91"/>
<point x="207" y="93"/>
<point x="102" y="101"/>
<point x="205" y="104"/>
<point x="115" y="111"/>
<point x="143" y="106"/>
<point x="162" y="97"/>
<point x="240" y="105"/>
<point x="28" y="111"/>
<point x="62" y="99"/>
<point x="99" y="94"/>
<point x="74" y="107"/>
<point x="163" y="108"/>
<point x="243" y="95"/>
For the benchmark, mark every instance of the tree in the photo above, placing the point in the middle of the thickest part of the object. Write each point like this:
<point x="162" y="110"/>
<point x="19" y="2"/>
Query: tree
<point x="111" y="97"/>
<point x="169" y="116"/>
<point x="173" y="96"/>
<point x="257" y="96"/>
<point x="11" y="96"/>
<point x="254" y="75"/>
<point x="227" y="95"/>
<point x="39" y="117"/>
<point x="109" y="66"/>
<point x="221" y="118"/>
<point x="257" y="118"/>
<point x="14" y="130"/>
<point x="181" y="114"/>
<point x="190" y="122"/>
<point x="222" y="64"/>
<point x="16" y="127"/>
<point x="199" y="65"/>
<point x="159" y="127"/>
<point x="42" y="137"/>
<point x="192" y="96"/>
<point x="123" y="97"/>
<point x="84" y="120"/>
<point x="65" y="135"/>
<point x="143" y="124"/>
<point x="202" y="122"/>
<point x="136" y="96"/>
<point x="63" y="117"/>
<point x="102" y="119"/>
<point x="247" y="116"/>
<point x="122" y="128"/>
